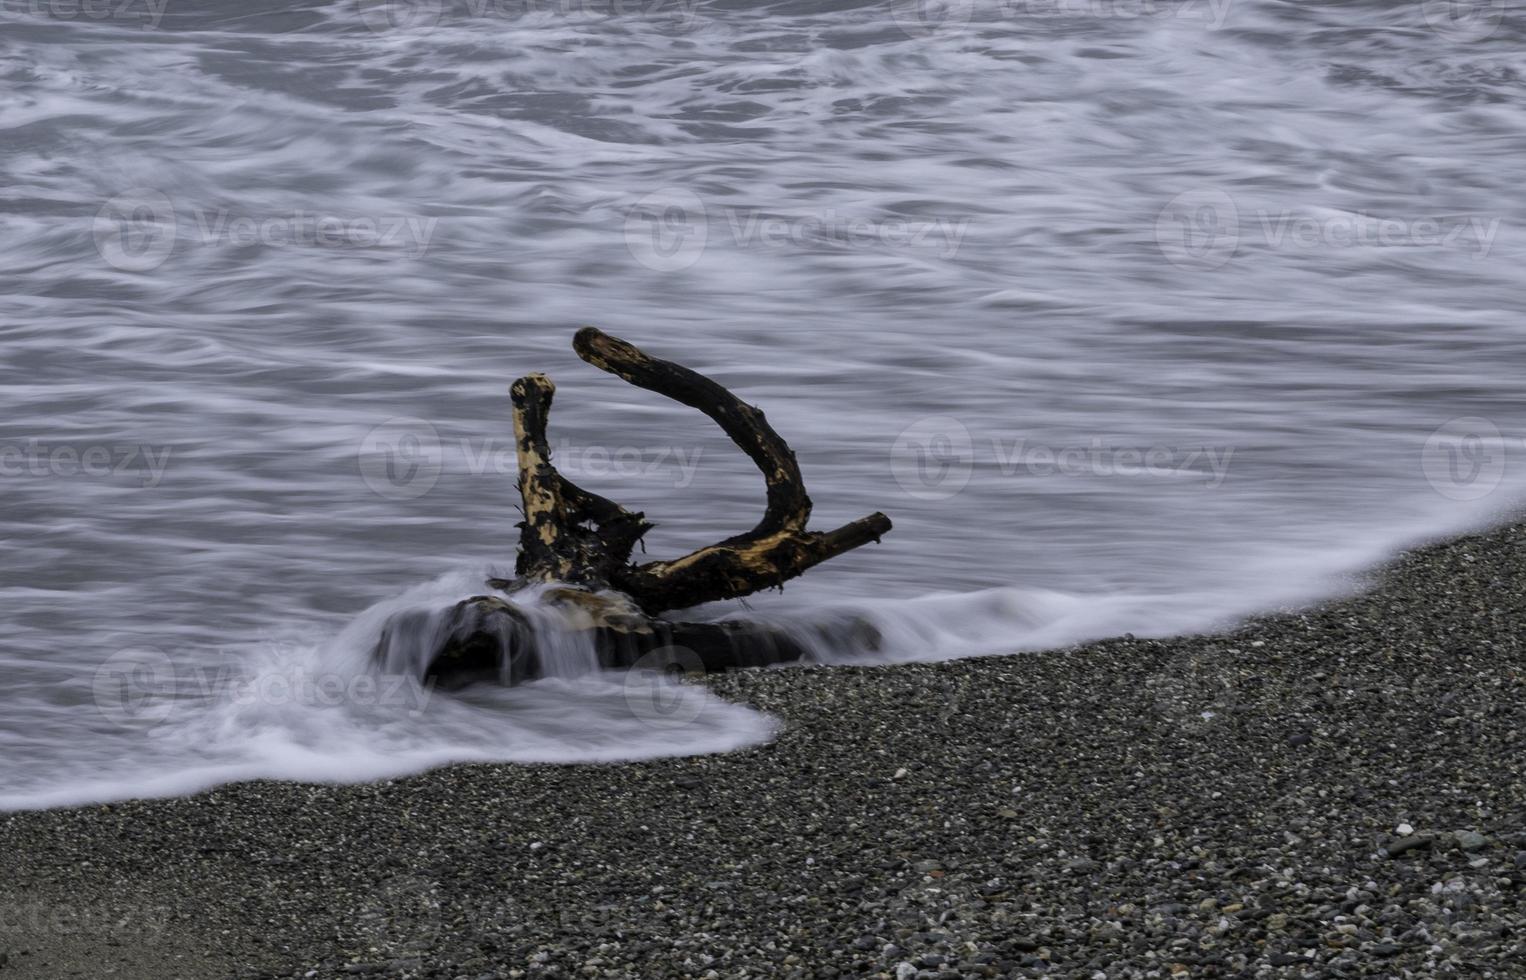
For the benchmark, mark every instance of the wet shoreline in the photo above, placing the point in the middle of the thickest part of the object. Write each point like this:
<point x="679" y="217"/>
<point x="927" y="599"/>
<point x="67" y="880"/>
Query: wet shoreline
<point x="1221" y="805"/>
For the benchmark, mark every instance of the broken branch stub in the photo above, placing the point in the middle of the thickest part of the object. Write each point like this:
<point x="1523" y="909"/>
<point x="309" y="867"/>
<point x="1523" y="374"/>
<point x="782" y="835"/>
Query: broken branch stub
<point x="568" y="534"/>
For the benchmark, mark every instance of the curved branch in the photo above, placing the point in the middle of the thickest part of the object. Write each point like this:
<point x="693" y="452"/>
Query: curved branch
<point x="789" y="507"/>
<point x="779" y="548"/>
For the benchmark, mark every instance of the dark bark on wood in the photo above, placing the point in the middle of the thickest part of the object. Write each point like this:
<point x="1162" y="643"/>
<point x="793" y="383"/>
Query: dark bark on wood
<point x="779" y="548"/>
<point x="580" y="539"/>
<point x="491" y="640"/>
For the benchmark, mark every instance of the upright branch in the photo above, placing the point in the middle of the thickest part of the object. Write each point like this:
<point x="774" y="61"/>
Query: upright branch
<point x="568" y="534"/>
<point x="572" y="535"/>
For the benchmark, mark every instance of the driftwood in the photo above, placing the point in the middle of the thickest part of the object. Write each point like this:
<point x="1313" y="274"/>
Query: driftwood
<point x="575" y="552"/>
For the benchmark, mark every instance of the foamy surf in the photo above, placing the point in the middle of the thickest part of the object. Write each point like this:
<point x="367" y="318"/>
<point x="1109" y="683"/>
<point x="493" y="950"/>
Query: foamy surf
<point x="328" y="712"/>
<point x="1103" y="311"/>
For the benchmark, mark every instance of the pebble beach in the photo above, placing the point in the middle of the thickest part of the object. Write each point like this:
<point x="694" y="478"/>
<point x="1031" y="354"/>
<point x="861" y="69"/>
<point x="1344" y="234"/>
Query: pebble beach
<point x="1335" y="792"/>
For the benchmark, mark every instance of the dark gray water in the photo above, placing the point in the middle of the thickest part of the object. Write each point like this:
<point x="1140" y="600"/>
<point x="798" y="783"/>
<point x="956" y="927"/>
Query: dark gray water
<point x="1133" y="316"/>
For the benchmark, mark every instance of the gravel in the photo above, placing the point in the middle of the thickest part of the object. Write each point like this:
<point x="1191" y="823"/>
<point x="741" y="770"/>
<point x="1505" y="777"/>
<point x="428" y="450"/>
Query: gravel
<point x="1214" y="806"/>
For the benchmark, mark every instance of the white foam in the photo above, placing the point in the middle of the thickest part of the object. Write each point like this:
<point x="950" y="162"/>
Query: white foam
<point x="1059" y="320"/>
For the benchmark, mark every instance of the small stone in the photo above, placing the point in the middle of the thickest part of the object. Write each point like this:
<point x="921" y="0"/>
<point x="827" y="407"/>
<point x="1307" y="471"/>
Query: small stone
<point x="688" y="782"/>
<point x="1404" y="830"/>
<point x="1470" y="840"/>
<point x="1386" y="949"/>
<point x="1276" y="922"/>
<point x="1405" y="844"/>
<point x="1300" y="739"/>
<point x="904" y="971"/>
<point x="901" y="774"/>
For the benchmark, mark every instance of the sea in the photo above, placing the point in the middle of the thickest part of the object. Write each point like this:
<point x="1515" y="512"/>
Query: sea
<point x="1135" y="316"/>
